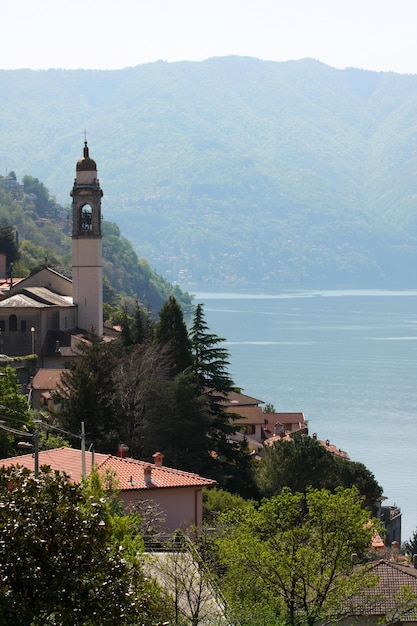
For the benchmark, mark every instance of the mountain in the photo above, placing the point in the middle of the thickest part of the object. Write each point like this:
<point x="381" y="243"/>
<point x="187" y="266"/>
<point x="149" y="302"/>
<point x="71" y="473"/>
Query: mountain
<point x="234" y="170"/>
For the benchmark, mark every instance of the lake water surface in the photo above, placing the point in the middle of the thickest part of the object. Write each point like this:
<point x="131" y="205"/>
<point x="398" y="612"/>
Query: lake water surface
<point x="346" y="359"/>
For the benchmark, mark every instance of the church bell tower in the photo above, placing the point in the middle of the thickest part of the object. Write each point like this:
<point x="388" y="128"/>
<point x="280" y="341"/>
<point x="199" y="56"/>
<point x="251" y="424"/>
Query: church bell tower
<point x="87" y="264"/>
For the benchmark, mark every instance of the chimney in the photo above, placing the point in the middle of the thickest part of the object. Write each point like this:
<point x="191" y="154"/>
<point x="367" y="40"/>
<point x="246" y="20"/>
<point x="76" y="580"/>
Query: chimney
<point x="158" y="459"/>
<point x="122" y="451"/>
<point x="148" y="475"/>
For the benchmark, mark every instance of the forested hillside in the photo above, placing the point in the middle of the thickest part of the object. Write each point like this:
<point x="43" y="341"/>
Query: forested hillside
<point x="234" y="170"/>
<point x="42" y="228"/>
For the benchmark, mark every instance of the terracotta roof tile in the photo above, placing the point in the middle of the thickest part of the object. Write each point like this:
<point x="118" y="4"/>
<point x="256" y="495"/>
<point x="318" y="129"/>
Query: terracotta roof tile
<point x="130" y="472"/>
<point x="326" y="444"/>
<point x="131" y="475"/>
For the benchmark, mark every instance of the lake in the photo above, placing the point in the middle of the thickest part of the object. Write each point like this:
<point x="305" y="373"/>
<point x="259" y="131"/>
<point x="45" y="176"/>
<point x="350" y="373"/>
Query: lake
<point x="346" y="359"/>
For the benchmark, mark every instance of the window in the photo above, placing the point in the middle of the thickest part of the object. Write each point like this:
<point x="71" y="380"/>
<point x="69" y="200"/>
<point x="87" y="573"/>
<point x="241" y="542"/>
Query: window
<point x="86" y="219"/>
<point x="2" y="325"/>
<point x="250" y="429"/>
<point x="23" y="326"/>
<point x="12" y="323"/>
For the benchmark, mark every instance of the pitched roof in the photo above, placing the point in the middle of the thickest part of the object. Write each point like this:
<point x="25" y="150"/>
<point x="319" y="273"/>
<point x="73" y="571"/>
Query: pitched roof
<point x="130" y="473"/>
<point x="385" y="597"/>
<point x="234" y="398"/>
<point x="284" y="418"/>
<point x="45" y="295"/>
<point x="45" y="276"/>
<point x="272" y="420"/>
<point x="47" y="379"/>
<point x="35" y="297"/>
<point x="5" y="285"/>
<point x="20" y="301"/>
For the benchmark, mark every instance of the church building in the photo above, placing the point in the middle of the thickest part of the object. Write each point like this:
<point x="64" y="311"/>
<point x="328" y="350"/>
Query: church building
<point x="46" y="313"/>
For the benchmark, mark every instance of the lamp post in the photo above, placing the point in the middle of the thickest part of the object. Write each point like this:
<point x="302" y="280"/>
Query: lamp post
<point x="32" y="330"/>
<point x="25" y="444"/>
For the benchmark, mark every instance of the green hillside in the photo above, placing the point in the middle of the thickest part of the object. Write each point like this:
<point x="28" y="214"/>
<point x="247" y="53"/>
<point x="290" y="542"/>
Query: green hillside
<point x="234" y="170"/>
<point x="43" y="231"/>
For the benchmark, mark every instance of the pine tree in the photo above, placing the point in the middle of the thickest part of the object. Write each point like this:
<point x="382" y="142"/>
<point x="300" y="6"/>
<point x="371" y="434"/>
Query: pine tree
<point x="136" y="328"/>
<point x="87" y="394"/>
<point x="171" y="329"/>
<point x="8" y="243"/>
<point x="233" y="468"/>
<point x="211" y="363"/>
<point x="410" y="546"/>
<point x="210" y="359"/>
<point x="142" y="325"/>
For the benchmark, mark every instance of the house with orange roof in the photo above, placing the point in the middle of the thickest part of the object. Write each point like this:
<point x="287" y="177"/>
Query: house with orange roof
<point x="42" y="385"/>
<point x="258" y="425"/>
<point x="284" y="424"/>
<point x="286" y="436"/>
<point x="250" y="416"/>
<point x="177" y="494"/>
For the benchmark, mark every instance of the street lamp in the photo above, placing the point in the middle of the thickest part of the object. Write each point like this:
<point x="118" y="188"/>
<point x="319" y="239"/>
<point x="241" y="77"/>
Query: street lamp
<point x="32" y="330"/>
<point x="25" y="444"/>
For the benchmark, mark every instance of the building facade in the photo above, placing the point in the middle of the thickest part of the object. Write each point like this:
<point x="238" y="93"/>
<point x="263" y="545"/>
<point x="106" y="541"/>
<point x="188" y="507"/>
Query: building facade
<point x="47" y="302"/>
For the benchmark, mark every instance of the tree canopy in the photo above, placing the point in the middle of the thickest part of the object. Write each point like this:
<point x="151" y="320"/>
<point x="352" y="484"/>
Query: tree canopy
<point x="303" y="462"/>
<point x="14" y="410"/>
<point x="57" y="565"/>
<point x="290" y="559"/>
<point x="171" y="330"/>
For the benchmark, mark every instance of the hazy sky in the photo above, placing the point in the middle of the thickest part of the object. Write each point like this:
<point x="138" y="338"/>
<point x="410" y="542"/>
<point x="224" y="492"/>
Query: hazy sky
<point x="104" y="34"/>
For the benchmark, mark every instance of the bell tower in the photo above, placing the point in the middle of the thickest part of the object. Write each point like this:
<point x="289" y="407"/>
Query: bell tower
<point x="87" y="264"/>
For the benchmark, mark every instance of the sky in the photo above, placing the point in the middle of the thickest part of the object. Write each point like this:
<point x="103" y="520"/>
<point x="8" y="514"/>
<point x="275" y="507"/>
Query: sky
<point x="376" y="35"/>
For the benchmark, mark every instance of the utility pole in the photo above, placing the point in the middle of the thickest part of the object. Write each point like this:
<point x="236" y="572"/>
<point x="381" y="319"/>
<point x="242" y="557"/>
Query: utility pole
<point x="83" y="467"/>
